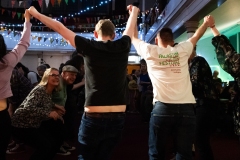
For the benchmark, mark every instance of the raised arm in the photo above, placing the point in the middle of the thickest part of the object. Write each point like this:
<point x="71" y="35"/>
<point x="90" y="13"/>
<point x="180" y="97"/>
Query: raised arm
<point x="20" y="49"/>
<point x="208" y="22"/>
<point x="54" y="25"/>
<point x="215" y="31"/>
<point x="132" y="20"/>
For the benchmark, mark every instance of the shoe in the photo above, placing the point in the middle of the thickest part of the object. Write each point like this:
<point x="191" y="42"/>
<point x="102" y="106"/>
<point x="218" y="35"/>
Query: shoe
<point x="68" y="147"/>
<point x="16" y="149"/>
<point x="11" y="144"/>
<point x="63" y="152"/>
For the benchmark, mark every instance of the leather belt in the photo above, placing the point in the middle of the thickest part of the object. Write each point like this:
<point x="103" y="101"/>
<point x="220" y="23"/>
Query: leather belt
<point x="108" y="115"/>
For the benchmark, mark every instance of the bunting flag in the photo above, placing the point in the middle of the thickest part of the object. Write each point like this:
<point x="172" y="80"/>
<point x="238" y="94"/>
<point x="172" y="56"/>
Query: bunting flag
<point x="34" y="37"/>
<point x="3" y="10"/>
<point x="52" y="2"/>
<point x="47" y="2"/>
<point x="13" y="14"/>
<point x="88" y="20"/>
<point x="24" y="4"/>
<point x="51" y="40"/>
<point x="59" y="2"/>
<point x="44" y="39"/>
<point x="19" y="3"/>
<point x="13" y="3"/>
<point x="19" y="15"/>
<point x="40" y="2"/>
<point x="15" y="33"/>
<point x="66" y="2"/>
<point x="65" y="19"/>
<point x="39" y="39"/>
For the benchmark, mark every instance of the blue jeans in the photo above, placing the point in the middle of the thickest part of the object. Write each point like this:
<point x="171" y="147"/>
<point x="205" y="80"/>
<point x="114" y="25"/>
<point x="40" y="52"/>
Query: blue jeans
<point x="98" y="136"/>
<point x="176" y="119"/>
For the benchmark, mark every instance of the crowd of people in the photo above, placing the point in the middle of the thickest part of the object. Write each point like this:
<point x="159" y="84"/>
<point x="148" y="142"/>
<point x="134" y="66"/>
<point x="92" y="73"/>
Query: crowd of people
<point x="169" y="91"/>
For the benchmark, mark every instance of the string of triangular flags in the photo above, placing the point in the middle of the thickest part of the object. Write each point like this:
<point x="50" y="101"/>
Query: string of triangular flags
<point x="27" y="3"/>
<point x="39" y="38"/>
<point x="51" y="39"/>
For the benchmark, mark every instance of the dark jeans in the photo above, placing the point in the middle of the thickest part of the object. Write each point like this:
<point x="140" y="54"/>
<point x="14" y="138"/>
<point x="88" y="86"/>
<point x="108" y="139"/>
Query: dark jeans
<point x="46" y="140"/>
<point x="146" y="105"/>
<point x="70" y="116"/>
<point x="5" y="132"/>
<point x="205" y="125"/>
<point x="176" y="119"/>
<point x="98" y="136"/>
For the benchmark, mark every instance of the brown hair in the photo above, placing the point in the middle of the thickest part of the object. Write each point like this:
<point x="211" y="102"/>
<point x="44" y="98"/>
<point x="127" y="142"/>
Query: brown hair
<point x="105" y="27"/>
<point x="166" y="35"/>
<point x="44" y="80"/>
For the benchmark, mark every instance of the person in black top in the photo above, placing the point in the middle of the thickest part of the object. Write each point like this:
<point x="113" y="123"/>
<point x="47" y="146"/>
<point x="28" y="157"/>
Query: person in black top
<point x="229" y="61"/>
<point x="206" y="97"/>
<point x="105" y="104"/>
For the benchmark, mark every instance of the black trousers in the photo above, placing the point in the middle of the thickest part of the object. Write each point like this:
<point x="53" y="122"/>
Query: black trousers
<point x="205" y="125"/>
<point x="5" y="132"/>
<point x="46" y="140"/>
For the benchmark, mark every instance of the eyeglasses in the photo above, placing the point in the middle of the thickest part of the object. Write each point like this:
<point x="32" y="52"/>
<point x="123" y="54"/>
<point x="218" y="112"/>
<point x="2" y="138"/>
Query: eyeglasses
<point x="55" y="75"/>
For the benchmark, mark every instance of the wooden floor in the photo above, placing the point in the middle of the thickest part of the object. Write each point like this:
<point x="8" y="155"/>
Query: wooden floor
<point x="133" y="145"/>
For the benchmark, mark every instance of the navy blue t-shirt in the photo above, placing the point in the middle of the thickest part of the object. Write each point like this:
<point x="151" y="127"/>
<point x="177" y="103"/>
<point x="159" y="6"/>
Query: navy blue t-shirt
<point x="145" y="78"/>
<point x="105" y="66"/>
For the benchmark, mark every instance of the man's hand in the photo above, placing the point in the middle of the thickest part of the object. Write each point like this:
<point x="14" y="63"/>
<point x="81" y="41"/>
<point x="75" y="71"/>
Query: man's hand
<point x="130" y="8"/>
<point x="54" y="115"/>
<point x="59" y="109"/>
<point x="27" y="16"/>
<point x="209" y="20"/>
<point x="32" y="10"/>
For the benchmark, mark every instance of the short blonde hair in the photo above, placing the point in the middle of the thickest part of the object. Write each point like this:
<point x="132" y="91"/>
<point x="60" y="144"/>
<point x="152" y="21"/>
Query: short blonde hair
<point x="45" y="77"/>
<point x="105" y="27"/>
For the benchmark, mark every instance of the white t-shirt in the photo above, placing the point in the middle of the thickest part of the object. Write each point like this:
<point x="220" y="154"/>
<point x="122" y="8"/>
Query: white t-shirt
<point x="168" y="71"/>
<point x="32" y="77"/>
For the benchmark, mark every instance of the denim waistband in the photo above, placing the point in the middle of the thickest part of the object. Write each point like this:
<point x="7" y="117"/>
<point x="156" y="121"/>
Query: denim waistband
<point x="105" y="115"/>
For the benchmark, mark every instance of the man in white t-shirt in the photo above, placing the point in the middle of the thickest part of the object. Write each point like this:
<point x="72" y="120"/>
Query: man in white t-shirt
<point x="173" y="100"/>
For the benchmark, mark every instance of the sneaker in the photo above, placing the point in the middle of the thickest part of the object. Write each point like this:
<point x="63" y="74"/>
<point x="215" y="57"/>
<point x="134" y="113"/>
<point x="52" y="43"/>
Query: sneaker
<point x="17" y="149"/>
<point x="68" y="147"/>
<point x="63" y="152"/>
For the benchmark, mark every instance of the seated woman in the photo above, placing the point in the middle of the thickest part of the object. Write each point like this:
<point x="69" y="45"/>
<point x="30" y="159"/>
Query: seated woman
<point x="34" y="110"/>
